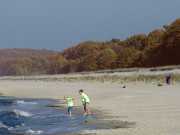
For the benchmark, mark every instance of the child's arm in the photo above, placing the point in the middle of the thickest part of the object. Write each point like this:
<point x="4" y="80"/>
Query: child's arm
<point x="71" y="98"/>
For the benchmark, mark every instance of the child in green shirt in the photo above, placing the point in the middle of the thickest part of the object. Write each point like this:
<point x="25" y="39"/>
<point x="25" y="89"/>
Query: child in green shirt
<point x="70" y="104"/>
<point x="85" y="101"/>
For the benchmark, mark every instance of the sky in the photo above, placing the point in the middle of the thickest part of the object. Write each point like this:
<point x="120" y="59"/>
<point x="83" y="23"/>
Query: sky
<point x="60" y="24"/>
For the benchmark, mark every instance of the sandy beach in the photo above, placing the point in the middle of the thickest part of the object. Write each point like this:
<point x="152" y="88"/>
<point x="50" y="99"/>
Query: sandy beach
<point x="154" y="110"/>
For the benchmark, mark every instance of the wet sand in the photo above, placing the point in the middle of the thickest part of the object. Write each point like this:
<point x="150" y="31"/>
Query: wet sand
<point x="152" y="110"/>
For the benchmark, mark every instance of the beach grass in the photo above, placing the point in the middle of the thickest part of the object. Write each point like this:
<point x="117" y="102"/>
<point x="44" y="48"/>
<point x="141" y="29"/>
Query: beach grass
<point x="112" y="76"/>
<point x="108" y="78"/>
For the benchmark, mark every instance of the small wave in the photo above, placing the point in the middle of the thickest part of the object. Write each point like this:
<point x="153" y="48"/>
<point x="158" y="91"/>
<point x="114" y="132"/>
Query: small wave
<point x="20" y="125"/>
<point x="23" y="102"/>
<point x="22" y="113"/>
<point x="4" y="126"/>
<point x="33" y="132"/>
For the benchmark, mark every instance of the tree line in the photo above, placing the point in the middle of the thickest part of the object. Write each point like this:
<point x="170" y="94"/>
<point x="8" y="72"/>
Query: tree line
<point x="24" y="61"/>
<point x="160" y="47"/>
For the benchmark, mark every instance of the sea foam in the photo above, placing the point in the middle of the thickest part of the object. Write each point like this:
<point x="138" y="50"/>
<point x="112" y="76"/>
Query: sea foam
<point x="22" y="113"/>
<point x="33" y="132"/>
<point x="23" y="102"/>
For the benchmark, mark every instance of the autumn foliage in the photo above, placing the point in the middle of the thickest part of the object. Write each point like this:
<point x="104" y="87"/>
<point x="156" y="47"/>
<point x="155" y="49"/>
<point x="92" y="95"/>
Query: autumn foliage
<point x="24" y="61"/>
<point x="159" y="48"/>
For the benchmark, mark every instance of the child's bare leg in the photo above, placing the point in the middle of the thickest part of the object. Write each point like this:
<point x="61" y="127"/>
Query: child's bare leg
<point x="87" y="107"/>
<point x="70" y="114"/>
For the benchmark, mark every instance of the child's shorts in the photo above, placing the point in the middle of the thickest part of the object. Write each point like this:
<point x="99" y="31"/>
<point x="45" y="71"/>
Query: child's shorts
<point x="86" y="103"/>
<point x="70" y="108"/>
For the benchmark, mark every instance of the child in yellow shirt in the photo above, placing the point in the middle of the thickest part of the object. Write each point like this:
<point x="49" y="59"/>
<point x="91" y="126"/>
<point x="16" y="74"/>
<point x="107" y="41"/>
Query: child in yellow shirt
<point x="70" y="104"/>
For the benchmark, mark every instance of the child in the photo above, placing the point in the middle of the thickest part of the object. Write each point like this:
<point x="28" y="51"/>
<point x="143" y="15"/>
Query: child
<point x="70" y="104"/>
<point x="85" y="101"/>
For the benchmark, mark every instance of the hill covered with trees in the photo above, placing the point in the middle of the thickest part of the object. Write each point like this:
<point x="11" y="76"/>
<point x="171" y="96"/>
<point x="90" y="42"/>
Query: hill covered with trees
<point x="159" y="48"/>
<point x="24" y="61"/>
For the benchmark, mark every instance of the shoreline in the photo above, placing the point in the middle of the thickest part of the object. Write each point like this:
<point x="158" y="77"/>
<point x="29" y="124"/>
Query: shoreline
<point x="97" y="122"/>
<point x="155" y="110"/>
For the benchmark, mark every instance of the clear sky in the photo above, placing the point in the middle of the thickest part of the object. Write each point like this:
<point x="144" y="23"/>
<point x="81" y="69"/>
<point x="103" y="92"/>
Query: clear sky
<point x="59" y="24"/>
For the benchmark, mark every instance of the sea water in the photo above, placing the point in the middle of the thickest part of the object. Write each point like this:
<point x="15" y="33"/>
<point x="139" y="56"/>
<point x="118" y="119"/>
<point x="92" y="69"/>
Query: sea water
<point x="34" y="117"/>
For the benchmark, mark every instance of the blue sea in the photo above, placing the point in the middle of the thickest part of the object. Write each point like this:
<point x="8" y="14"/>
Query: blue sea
<point x="34" y="117"/>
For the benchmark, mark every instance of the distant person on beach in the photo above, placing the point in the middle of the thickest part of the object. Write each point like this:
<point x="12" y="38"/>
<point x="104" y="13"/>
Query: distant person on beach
<point x="70" y="104"/>
<point x="85" y="101"/>
<point x="168" y="80"/>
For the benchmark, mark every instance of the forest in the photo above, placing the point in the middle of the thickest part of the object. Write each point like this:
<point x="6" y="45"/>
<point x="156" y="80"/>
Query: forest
<point x="24" y="61"/>
<point x="160" y="47"/>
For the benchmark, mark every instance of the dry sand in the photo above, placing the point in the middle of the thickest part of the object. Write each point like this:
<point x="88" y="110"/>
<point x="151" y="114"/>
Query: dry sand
<point x="155" y="110"/>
